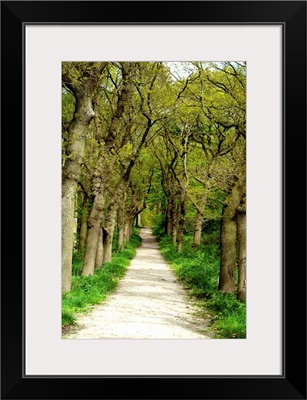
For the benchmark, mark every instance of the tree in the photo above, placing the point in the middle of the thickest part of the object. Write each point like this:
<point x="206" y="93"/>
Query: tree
<point x="131" y="118"/>
<point x="82" y="80"/>
<point x="229" y="236"/>
<point x="106" y="159"/>
<point x="241" y="235"/>
<point x="221" y="96"/>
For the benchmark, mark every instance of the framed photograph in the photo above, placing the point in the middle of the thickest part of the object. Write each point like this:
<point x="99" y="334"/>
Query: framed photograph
<point x="263" y="43"/>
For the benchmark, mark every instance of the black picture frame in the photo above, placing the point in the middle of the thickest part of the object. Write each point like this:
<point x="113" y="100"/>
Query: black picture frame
<point x="292" y="16"/>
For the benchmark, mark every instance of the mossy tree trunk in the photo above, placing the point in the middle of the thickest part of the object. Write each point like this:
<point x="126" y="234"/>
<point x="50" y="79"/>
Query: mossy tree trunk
<point x="168" y="222"/>
<point x="99" y="251"/>
<point x="241" y="233"/>
<point x="228" y="258"/>
<point x="201" y="206"/>
<point x="120" y="224"/>
<point x="197" y="229"/>
<point x="228" y="255"/>
<point x="102" y="177"/>
<point x="83" y="224"/>
<point x="181" y="223"/>
<point x="108" y="232"/>
<point x="126" y="230"/>
<point x="174" y="219"/>
<point x="82" y="81"/>
<point x="94" y="226"/>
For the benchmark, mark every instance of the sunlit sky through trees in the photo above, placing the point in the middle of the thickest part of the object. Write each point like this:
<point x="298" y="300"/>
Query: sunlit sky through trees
<point x="182" y="69"/>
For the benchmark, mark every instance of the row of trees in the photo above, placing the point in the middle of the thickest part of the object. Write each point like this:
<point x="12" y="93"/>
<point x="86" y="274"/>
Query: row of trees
<point x="145" y="134"/>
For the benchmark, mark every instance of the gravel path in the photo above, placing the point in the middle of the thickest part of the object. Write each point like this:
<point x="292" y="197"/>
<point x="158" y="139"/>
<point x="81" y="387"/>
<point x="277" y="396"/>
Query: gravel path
<point x="148" y="303"/>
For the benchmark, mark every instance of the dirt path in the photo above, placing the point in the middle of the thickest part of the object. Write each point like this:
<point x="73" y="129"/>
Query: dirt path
<point x="149" y="303"/>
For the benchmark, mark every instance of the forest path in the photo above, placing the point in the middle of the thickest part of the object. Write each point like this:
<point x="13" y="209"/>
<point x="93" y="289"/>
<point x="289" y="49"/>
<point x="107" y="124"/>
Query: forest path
<point x="148" y="303"/>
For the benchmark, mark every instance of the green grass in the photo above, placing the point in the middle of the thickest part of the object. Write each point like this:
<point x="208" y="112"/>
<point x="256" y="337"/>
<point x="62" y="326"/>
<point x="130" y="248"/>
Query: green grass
<point x="89" y="290"/>
<point x="198" y="268"/>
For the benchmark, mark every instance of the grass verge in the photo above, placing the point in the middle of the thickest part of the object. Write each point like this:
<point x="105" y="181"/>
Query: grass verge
<point x="198" y="268"/>
<point x="90" y="290"/>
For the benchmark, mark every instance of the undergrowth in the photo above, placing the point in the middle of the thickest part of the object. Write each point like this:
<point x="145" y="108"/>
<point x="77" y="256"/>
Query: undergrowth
<point x="89" y="290"/>
<point x="199" y="268"/>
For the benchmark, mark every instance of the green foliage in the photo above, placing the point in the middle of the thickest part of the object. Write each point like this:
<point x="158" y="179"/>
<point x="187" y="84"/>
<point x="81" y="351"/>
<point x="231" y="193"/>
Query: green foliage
<point x="158" y="228"/>
<point x="89" y="290"/>
<point x="77" y="262"/>
<point x="212" y="225"/>
<point x="232" y="326"/>
<point x="199" y="269"/>
<point x="68" y="318"/>
<point x="211" y="238"/>
<point x="68" y="106"/>
<point x="147" y="217"/>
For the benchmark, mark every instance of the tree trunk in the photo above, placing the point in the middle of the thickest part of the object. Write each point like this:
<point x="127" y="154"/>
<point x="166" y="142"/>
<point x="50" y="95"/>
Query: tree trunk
<point x="139" y="220"/>
<point x="197" y="230"/>
<point x="99" y="251"/>
<point x="228" y="255"/>
<point x="174" y="221"/>
<point x="75" y="227"/>
<point x="131" y="227"/>
<point x="181" y="224"/>
<point x="83" y="225"/>
<point x="70" y="177"/>
<point x="121" y="222"/>
<point x="93" y="235"/>
<point x="126" y="230"/>
<point x="107" y="243"/>
<point x="108" y="231"/>
<point x="202" y="206"/>
<point x="120" y="243"/>
<point x="84" y="91"/>
<point x="67" y="234"/>
<point x="168" y="225"/>
<point x="120" y="226"/>
<point x="241" y="233"/>
<point x="229" y="237"/>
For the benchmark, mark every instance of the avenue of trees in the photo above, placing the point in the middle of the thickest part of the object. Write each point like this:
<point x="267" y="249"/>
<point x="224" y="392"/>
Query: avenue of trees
<point x="166" y="140"/>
